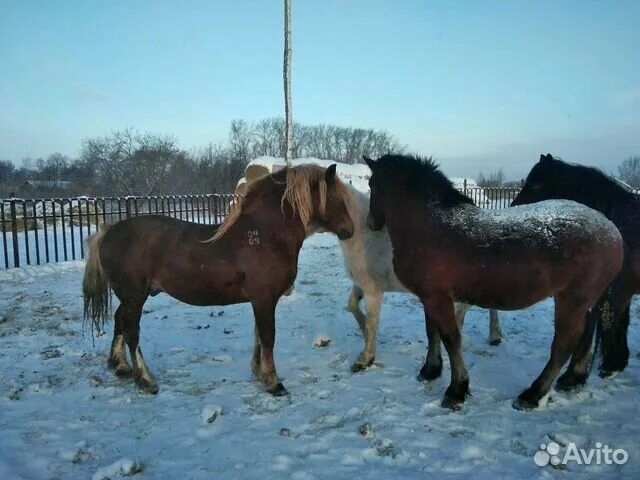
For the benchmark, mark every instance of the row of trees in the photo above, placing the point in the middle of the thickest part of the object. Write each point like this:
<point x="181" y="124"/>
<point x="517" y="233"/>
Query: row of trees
<point x="629" y="171"/>
<point x="129" y="162"/>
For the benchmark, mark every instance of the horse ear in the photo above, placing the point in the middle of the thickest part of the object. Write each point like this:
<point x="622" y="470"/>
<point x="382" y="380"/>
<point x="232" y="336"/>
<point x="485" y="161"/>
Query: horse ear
<point x="546" y="158"/>
<point x="330" y="174"/>
<point x="369" y="162"/>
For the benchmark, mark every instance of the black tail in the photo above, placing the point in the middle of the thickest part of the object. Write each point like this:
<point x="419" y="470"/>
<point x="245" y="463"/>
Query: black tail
<point x="595" y="323"/>
<point x="613" y="330"/>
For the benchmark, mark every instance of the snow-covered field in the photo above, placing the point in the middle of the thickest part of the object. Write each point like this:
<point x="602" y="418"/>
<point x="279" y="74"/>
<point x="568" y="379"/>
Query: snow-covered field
<point x="64" y="415"/>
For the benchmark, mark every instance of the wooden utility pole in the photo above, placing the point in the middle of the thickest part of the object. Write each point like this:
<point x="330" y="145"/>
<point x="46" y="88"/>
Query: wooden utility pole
<point x="286" y="73"/>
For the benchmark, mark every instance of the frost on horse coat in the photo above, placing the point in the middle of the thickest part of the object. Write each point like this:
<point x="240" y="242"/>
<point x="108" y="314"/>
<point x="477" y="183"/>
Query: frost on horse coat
<point x="368" y="258"/>
<point x="554" y="178"/>
<point x="446" y="248"/>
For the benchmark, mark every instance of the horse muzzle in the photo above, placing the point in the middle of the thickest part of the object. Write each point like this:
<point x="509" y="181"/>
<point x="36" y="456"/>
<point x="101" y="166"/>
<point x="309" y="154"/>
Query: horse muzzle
<point x="373" y="225"/>
<point x="345" y="234"/>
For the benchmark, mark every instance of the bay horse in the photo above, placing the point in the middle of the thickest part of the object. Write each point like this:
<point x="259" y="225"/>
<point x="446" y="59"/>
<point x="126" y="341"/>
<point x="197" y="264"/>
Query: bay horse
<point x="446" y="248"/>
<point x="553" y="178"/>
<point x="368" y="259"/>
<point x="251" y="257"/>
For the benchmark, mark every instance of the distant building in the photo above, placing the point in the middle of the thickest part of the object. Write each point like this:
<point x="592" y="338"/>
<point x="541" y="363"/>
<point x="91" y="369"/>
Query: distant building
<point x="50" y="184"/>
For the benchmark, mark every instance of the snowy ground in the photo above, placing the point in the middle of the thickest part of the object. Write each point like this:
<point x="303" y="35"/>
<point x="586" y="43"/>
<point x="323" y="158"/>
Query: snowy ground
<point x="64" y="415"/>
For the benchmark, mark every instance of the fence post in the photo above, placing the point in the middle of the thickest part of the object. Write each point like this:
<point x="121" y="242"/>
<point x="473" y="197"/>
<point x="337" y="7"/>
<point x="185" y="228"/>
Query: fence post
<point x="216" y="219"/>
<point x="14" y="232"/>
<point x="464" y="183"/>
<point x="127" y="206"/>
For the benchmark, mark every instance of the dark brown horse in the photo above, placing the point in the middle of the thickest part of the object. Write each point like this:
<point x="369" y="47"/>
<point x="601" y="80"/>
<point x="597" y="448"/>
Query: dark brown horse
<point x="553" y="178"/>
<point x="445" y="249"/>
<point x="252" y="257"/>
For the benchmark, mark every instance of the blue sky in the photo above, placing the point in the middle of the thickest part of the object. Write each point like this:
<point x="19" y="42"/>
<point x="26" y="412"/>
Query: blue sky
<point x="478" y="84"/>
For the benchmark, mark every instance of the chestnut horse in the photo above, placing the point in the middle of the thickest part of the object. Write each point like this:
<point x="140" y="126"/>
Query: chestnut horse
<point x="553" y="178"/>
<point x="252" y="257"/>
<point x="446" y="248"/>
<point x="368" y="258"/>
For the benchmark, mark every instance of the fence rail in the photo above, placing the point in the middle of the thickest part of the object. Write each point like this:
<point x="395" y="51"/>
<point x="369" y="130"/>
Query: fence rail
<point x="47" y="230"/>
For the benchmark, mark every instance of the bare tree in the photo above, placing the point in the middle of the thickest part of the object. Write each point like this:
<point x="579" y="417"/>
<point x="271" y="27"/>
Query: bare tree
<point x="268" y="137"/>
<point x="629" y="171"/>
<point x="6" y="171"/>
<point x="495" y="179"/>
<point x="287" y="82"/>
<point x="130" y="163"/>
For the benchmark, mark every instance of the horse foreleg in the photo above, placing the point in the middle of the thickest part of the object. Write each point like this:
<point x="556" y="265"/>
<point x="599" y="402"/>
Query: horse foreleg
<point x="118" y="356"/>
<point x="257" y="354"/>
<point x="373" y="301"/>
<point x="354" y="307"/>
<point x="432" y="367"/>
<point x="495" y="332"/>
<point x="264" y="312"/>
<point x="441" y="314"/>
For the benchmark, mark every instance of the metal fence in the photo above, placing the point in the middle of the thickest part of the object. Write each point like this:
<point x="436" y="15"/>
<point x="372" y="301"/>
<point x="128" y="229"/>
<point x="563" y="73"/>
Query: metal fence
<point x="39" y="231"/>
<point x="491" y="197"/>
<point x="47" y="230"/>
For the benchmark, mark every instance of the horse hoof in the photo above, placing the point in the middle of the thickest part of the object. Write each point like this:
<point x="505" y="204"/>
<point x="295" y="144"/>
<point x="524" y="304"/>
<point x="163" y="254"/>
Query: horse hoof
<point x="568" y="382"/>
<point x="358" y="367"/>
<point x="608" y="373"/>
<point x="451" y="403"/>
<point x="148" y="387"/>
<point x="278" y="390"/>
<point x="123" y="371"/>
<point x="524" y="404"/>
<point x="495" y="342"/>
<point x="429" y="373"/>
<point x="455" y="395"/>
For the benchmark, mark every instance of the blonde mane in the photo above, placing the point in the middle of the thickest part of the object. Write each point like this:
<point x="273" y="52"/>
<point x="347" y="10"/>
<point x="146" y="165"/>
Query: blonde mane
<point x="299" y="182"/>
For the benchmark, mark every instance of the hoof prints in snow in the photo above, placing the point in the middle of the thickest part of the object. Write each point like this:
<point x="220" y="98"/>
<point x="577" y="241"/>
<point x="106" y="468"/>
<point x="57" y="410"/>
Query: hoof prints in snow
<point x="71" y="417"/>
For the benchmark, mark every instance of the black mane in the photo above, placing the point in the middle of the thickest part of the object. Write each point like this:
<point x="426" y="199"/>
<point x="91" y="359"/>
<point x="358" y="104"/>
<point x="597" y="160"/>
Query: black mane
<point x="587" y="185"/>
<point x="422" y="175"/>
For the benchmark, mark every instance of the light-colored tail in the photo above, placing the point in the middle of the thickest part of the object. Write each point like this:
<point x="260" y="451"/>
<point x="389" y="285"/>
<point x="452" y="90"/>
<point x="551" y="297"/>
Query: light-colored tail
<point x="95" y="285"/>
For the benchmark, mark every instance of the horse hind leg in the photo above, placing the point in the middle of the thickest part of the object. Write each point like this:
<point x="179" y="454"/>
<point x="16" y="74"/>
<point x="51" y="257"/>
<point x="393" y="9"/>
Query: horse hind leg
<point x="141" y="373"/>
<point x="373" y="302"/>
<point x="118" y="356"/>
<point x="354" y="307"/>
<point x="570" y="325"/>
<point x="579" y="367"/>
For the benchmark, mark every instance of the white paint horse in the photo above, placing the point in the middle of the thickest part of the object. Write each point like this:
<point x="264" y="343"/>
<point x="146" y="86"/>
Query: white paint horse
<point x="368" y="257"/>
